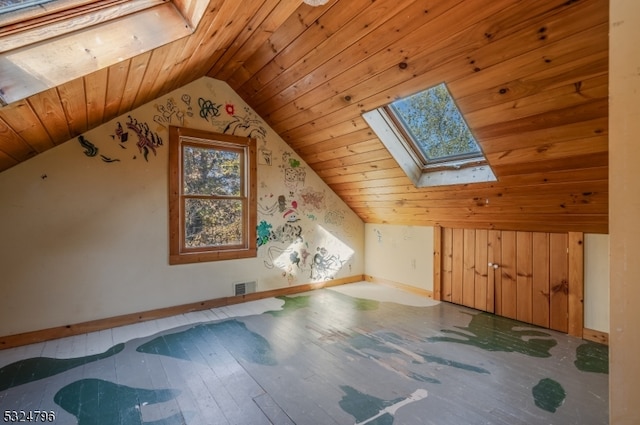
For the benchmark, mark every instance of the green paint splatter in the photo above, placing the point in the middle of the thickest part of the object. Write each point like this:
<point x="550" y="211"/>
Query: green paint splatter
<point x="291" y="304"/>
<point x="34" y="369"/>
<point x="363" y="406"/>
<point x="548" y="395"/>
<point x="205" y="339"/>
<point x="592" y="357"/>
<point x="98" y="402"/>
<point x="365" y="305"/>
<point x="464" y="366"/>
<point x="494" y="333"/>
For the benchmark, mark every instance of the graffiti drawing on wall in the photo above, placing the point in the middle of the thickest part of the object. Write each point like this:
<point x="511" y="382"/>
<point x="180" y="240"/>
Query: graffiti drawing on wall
<point x="312" y="198"/>
<point x="291" y="214"/>
<point x="248" y="125"/>
<point x="169" y="112"/>
<point x="187" y="101"/>
<point x="334" y="217"/>
<point x="264" y="156"/>
<point x="208" y="109"/>
<point x="271" y="207"/>
<point x="325" y="265"/>
<point x="90" y="149"/>
<point x="294" y="174"/>
<point x="147" y="139"/>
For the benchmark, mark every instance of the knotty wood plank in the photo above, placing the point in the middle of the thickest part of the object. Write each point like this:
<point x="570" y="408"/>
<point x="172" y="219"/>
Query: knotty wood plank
<point x="494" y="275"/>
<point x="116" y="82"/>
<point x="50" y="111"/>
<point x="576" y="283"/>
<point x="469" y="268"/>
<point x="540" y="283"/>
<point x="481" y="301"/>
<point x="73" y="99"/>
<point x="19" y="124"/>
<point x="524" y="276"/>
<point x="508" y="270"/>
<point x="559" y="281"/>
<point x="457" y="266"/>
<point x="137" y="68"/>
<point x="438" y="282"/>
<point x="447" y="264"/>
<point x="96" y="95"/>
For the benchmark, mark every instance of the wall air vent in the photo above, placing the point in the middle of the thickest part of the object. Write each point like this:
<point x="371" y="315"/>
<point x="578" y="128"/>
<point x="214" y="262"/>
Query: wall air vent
<point x="244" y="288"/>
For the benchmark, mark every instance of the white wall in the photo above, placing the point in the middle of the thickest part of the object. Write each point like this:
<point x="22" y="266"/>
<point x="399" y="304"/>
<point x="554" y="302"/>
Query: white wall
<point x="402" y="254"/>
<point x="85" y="239"/>
<point x="596" y="282"/>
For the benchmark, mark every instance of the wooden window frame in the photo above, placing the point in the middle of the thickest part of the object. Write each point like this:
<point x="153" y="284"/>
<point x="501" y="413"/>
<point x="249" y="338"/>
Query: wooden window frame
<point x="178" y="252"/>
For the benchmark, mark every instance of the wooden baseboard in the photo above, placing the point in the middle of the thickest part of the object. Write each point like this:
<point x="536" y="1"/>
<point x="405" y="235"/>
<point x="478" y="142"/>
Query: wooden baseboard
<point x="403" y="286"/>
<point x="26" y="338"/>
<point x="595" y="336"/>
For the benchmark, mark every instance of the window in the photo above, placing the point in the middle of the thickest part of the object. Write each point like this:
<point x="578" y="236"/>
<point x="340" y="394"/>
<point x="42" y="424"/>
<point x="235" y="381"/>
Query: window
<point x="212" y="196"/>
<point x="430" y="139"/>
<point x="44" y="44"/>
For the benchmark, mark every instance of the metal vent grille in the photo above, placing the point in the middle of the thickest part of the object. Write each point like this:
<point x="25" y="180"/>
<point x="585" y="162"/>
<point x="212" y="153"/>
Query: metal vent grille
<point x="244" y="288"/>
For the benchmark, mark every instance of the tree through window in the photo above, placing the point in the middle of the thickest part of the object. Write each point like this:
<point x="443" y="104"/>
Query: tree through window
<point x="212" y="196"/>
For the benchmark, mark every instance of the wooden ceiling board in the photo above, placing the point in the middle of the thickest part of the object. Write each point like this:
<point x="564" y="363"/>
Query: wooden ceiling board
<point x="531" y="79"/>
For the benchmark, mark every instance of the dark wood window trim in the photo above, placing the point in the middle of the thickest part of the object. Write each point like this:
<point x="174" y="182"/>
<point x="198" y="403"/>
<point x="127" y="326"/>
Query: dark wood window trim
<point x="178" y="252"/>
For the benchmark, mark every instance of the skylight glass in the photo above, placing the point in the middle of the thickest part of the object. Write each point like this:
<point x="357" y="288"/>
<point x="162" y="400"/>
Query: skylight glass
<point x="436" y="126"/>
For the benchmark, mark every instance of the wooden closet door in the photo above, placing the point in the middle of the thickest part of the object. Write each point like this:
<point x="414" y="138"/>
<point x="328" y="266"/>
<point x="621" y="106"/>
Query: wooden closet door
<point x="520" y="275"/>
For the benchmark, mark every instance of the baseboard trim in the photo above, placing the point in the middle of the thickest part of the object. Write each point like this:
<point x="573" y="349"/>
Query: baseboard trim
<point x="403" y="286"/>
<point x="26" y="338"/>
<point x="595" y="336"/>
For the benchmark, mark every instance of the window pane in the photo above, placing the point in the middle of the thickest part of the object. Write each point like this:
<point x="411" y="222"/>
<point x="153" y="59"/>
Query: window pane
<point x="434" y="122"/>
<point x="211" y="172"/>
<point x="212" y="222"/>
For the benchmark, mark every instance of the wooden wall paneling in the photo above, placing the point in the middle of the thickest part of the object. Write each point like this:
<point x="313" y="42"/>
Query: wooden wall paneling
<point x="137" y="68"/>
<point x="168" y="54"/>
<point x="494" y="276"/>
<point x="482" y="288"/>
<point x="50" y="112"/>
<point x="438" y="282"/>
<point x="291" y="28"/>
<point x="73" y="99"/>
<point x="576" y="283"/>
<point x="524" y="276"/>
<point x="19" y="123"/>
<point x="558" y="281"/>
<point x="457" y="266"/>
<point x="468" y="267"/>
<point x="116" y="81"/>
<point x="250" y="32"/>
<point x="96" y="94"/>
<point x="540" y="283"/>
<point x="308" y="91"/>
<point x="509" y="295"/>
<point x="6" y="161"/>
<point x="447" y="264"/>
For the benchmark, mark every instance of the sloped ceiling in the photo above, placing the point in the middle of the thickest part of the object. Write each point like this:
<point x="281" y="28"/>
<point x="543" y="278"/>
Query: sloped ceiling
<point x="530" y="77"/>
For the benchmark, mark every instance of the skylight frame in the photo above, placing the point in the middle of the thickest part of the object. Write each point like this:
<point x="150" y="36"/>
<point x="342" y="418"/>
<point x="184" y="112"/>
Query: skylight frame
<point x="463" y="168"/>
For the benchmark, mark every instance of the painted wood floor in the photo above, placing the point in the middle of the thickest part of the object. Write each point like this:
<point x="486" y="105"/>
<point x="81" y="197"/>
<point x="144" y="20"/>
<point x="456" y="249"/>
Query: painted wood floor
<point x="354" y="354"/>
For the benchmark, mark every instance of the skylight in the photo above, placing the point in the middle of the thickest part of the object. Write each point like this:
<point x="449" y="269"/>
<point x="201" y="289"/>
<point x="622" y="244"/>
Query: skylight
<point x="430" y="139"/>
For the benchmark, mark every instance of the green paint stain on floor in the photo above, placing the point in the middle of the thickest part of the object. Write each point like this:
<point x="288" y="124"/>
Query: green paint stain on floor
<point x="464" y="366"/>
<point x="592" y="357"/>
<point x="290" y="305"/>
<point x="363" y="407"/>
<point x="548" y="395"/>
<point x="494" y="333"/>
<point x="362" y="304"/>
<point x="422" y="378"/>
<point x="34" y="369"/>
<point x="360" y="342"/>
<point x="98" y="402"/>
<point x="207" y="339"/>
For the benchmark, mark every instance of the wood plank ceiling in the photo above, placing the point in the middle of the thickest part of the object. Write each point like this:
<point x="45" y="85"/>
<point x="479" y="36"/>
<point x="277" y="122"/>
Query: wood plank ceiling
<point x="531" y="78"/>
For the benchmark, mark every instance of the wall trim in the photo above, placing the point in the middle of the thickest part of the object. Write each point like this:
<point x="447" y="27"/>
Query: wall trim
<point x="33" y="337"/>
<point x="595" y="336"/>
<point x="403" y="286"/>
